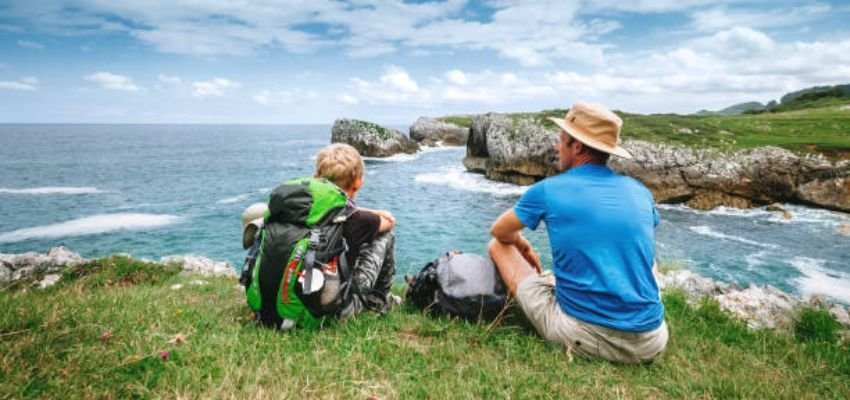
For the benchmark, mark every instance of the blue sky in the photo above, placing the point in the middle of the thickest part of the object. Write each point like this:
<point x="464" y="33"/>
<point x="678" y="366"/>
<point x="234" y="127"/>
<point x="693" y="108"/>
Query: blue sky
<point x="287" y="61"/>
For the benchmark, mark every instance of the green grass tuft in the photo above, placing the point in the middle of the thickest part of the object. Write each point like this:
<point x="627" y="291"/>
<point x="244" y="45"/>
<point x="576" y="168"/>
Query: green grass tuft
<point x="816" y="325"/>
<point x="459" y="120"/>
<point x="118" y="271"/>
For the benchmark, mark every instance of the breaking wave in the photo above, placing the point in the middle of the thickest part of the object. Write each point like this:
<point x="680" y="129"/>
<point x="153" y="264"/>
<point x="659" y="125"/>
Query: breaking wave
<point x="90" y="225"/>
<point x="400" y="157"/>
<point x="460" y="179"/>
<point x="817" y="279"/>
<point x="706" y="230"/>
<point x="234" y="199"/>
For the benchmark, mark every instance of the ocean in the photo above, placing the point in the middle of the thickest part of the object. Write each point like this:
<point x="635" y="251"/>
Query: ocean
<point x="157" y="190"/>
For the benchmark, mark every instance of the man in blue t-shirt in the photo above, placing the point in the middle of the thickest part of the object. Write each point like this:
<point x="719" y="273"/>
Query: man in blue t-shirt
<point x="603" y="300"/>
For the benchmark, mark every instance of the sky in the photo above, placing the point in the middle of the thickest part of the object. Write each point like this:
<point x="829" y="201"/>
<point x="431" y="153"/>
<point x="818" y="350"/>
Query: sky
<point x="312" y="61"/>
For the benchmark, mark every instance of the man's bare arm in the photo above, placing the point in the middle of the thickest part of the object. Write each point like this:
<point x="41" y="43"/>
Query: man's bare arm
<point x="507" y="229"/>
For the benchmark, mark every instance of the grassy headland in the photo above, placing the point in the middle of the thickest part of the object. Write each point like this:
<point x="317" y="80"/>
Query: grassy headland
<point x="116" y="328"/>
<point x="802" y="125"/>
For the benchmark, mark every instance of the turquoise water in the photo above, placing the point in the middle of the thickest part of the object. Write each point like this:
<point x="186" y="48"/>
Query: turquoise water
<point x="156" y="190"/>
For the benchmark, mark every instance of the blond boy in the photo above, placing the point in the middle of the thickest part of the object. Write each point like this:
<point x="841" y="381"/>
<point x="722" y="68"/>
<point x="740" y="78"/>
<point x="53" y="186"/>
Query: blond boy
<point x="367" y="232"/>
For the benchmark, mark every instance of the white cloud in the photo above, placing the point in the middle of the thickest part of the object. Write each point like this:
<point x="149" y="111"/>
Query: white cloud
<point x="457" y="77"/>
<point x="348" y="99"/>
<point x="267" y="97"/>
<point x="27" y="44"/>
<point x="363" y="28"/>
<point x="214" y="88"/>
<point x="170" y="79"/>
<point x="396" y="78"/>
<point x="111" y="81"/>
<point x="26" y="84"/>
<point x="723" y="18"/>
<point x="394" y="86"/>
<point x="650" y="6"/>
<point x="735" y="42"/>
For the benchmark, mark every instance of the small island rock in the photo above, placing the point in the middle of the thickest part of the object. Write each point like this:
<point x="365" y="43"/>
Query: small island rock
<point x="371" y="140"/>
<point x="430" y="131"/>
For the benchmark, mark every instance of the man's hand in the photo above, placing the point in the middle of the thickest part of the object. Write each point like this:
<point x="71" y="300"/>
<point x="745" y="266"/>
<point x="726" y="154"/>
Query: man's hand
<point x="529" y="254"/>
<point x="506" y="230"/>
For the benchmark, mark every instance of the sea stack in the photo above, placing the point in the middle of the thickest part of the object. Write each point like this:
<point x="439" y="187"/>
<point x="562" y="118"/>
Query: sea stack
<point x="370" y="139"/>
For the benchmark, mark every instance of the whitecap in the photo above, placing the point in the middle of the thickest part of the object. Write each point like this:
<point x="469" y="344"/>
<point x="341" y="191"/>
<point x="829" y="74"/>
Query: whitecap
<point x="458" y="178"/>
<point x="234" y="199"/>
<point x="439" y="146"/>
<point x="706" y="230"/>
<point x="817" y="279"/>
<point x="54" y="190"/>
<point x="756" y="259"/>
<point x="94" y="224"/>
<point x="400" y="157"/>
<point x="799" y="214"/>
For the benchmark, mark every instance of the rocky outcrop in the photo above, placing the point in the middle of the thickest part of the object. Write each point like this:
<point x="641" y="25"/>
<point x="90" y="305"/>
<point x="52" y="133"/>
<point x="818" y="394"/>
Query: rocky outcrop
<point x="432" y="131"/>
<point x="522" y="152"/>
<point x="519" y="152"/>
<point x="761" y="307"/>
<point x="15" y="267"/>
<point x="199" y="265"/>
<point x="25" y="266"/>
<point x="371" y="140"/>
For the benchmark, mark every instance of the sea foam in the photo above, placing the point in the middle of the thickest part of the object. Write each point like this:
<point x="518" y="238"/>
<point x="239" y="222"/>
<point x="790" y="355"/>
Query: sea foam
<point x="94" y="224"/>
<point x="234" y="199"/>
<point x="817" y="279"/>
<point x="400" y="157"/>
<point x="458" y="178"/>
<point x="708" y="231"/>
<point x="53" y="190"/>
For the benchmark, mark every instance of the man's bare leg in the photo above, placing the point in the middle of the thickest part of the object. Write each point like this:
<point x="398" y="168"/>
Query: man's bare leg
<point x="512" y="266"/>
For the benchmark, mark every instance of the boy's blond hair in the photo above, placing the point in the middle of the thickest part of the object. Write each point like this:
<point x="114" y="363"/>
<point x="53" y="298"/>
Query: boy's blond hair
<point x="340" y="164"/>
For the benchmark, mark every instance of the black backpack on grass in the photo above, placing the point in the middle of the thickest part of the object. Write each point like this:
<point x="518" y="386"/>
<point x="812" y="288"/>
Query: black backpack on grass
<point x="461" y="285"/>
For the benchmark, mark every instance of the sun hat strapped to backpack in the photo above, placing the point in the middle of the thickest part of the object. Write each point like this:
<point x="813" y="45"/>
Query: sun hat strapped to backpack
<point x="459" y="284"/>
<point x="300" y="274"/>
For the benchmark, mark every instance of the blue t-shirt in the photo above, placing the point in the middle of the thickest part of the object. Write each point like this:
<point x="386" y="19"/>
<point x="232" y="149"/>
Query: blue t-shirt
<point x="601" y="230"/>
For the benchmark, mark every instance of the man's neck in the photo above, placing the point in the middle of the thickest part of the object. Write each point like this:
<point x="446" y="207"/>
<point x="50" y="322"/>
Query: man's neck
<point x="583" y="159"/>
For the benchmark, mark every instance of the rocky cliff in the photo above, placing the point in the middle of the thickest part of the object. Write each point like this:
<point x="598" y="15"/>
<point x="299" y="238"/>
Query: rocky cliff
<point x="430" y="131"/>
<point x="520" y="151"/>
<point x="370" y="139"/>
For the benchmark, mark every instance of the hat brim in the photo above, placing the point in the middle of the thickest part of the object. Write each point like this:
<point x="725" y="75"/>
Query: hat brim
<point x="578" y="134"/>
<point x="250" y="231"/>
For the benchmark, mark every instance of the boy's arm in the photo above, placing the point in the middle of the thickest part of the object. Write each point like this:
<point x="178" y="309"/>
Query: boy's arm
<point x="387" y="219"/>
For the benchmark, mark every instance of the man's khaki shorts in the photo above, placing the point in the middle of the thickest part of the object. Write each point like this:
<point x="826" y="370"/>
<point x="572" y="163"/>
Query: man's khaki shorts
<point x="536" y="297"/>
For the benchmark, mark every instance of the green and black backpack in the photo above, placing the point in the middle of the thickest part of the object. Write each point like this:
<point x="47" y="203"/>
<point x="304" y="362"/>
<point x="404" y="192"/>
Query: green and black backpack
<point x="300" y="274"/>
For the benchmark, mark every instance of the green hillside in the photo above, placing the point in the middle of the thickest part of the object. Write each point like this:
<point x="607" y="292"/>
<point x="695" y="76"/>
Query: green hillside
<point x="806" y="124"/>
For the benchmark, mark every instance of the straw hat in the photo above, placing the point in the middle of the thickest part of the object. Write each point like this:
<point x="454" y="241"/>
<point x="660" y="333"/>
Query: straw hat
<point x="595" y="126"/>
<point x="252" y="221"/>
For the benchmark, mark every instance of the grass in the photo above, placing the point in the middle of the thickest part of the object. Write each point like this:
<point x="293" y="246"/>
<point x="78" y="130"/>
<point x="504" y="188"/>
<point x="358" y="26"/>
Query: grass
<point x="823" y="126"/>
<point x="53" y="345"/>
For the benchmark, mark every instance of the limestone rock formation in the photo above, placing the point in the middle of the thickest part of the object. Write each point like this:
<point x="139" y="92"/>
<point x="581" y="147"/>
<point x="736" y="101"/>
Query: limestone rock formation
<point x="521" y="152"/>
<point x="430" y="131"/>
<point x="761" y="307"/>
<point x="505" y="150"/>
<point x="15" y="267"/>
<point x="371" y="140"/>
<point x="200" y="265"/>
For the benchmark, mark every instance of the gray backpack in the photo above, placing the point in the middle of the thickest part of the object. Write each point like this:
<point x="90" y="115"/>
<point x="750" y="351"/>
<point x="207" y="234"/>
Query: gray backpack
<point x="460" y="285"/>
